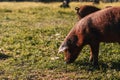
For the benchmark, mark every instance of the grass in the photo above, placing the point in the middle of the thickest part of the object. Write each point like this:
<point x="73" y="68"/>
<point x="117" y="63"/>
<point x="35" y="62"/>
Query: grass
<point x="30" y="35"/>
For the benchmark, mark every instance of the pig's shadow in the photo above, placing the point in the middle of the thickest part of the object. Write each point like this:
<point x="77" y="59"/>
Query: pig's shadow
<point x="102" y="66"/>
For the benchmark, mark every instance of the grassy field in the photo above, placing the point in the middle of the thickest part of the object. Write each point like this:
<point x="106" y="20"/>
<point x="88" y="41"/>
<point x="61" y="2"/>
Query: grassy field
<point x="30" y="35"/>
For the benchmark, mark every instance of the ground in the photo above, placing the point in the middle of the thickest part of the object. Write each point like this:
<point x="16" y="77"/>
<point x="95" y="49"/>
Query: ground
<point x="30" y="35"/>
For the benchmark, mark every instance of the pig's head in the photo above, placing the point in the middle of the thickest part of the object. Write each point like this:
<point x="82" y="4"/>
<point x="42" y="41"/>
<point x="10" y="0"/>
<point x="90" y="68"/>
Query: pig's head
<point x="85" y="10"/>
<point x="71" y="47"/>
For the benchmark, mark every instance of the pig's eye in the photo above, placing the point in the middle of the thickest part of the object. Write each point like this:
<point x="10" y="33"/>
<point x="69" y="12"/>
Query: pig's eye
<point x="72" y="41"/>
<point x="69" y="42"/>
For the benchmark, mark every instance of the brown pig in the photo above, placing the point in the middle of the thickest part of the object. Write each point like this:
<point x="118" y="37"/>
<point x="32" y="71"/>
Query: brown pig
<point x="100" y="26"/>
<point x="85" y="10"/>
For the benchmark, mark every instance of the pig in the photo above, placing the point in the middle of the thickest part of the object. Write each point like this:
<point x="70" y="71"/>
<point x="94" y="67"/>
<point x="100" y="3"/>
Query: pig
<point x="85" y="10"/>
<point x="100" y="26"/>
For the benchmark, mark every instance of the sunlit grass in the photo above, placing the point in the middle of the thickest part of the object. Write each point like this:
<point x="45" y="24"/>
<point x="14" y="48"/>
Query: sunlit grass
<point x="31" y="33"/>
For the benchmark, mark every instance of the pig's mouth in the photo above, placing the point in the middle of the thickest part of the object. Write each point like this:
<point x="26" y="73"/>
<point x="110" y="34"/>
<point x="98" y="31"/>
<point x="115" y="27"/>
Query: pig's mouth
<point x="69" y="60"/>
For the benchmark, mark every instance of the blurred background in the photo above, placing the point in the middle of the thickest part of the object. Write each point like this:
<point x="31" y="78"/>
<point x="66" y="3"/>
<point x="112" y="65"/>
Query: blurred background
<point x="47" y="1"/>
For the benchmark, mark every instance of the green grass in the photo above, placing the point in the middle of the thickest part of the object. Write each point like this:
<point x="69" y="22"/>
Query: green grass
<point x="30" y="35"/>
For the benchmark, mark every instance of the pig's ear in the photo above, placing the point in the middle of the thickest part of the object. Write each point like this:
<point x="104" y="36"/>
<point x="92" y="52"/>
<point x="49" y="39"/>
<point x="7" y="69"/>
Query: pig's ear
<point x="62" y="48"/>
<point x="77" y="8"/>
